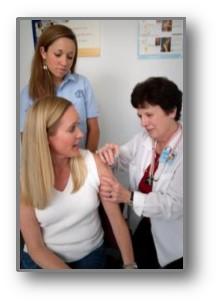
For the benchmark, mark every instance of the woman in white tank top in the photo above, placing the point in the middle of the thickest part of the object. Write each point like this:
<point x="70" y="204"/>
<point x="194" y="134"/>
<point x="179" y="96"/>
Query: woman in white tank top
<point x="59" y="203"/>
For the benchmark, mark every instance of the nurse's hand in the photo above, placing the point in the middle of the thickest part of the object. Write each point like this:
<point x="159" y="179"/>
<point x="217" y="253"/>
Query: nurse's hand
<point x="108" y="153"/>
<point x="111" y="190"/>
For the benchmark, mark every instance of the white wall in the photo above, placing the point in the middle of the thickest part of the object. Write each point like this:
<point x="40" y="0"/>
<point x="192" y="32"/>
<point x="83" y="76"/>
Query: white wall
<point x="26" y="51"/>
<point x="113" y="75"/>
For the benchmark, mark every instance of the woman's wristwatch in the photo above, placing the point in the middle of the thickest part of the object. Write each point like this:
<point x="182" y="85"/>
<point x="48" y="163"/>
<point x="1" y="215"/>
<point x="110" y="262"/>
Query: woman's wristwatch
<point x="130" y="202"/>
<point x="130" y="266"/>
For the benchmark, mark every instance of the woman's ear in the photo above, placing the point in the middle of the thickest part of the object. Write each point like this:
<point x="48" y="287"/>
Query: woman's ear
<point x="172" y="114"/>
<point x="43" y="53"/>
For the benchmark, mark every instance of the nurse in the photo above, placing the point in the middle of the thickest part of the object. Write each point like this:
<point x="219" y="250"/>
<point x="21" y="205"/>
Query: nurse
<point x="154" y="161"/>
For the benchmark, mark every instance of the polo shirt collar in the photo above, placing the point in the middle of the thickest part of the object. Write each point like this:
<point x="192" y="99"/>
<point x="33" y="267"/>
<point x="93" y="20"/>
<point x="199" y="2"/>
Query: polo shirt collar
<point x="69" y="77"/>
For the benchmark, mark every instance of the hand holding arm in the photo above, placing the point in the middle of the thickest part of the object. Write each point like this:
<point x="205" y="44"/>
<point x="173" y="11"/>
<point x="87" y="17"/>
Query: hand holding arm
<point x="108" y="153"/>
<point x="113" y="191"/>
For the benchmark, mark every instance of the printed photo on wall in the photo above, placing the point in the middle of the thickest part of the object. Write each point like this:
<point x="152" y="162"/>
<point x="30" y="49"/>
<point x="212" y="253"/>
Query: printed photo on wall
<point x="100" y="144"/>
<point x="160" y="39"/>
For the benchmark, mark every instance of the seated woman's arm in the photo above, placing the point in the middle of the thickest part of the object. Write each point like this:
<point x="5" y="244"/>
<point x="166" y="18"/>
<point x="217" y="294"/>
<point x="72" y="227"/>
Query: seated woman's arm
<point x="119" y="226"/>
<point x="32" y="235"/>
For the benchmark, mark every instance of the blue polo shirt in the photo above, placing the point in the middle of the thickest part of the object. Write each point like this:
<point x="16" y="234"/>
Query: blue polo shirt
<point x="75" y="88"/>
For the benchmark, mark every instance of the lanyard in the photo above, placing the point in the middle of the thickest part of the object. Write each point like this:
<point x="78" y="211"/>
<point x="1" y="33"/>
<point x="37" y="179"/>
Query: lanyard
<point x="168" y="154"/>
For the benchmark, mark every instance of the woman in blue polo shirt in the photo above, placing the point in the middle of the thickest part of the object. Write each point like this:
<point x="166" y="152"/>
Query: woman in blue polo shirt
<point x="52" y="73"/>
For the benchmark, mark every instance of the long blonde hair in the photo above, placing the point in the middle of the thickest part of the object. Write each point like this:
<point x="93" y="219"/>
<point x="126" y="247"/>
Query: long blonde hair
<point x="37" y="173"/>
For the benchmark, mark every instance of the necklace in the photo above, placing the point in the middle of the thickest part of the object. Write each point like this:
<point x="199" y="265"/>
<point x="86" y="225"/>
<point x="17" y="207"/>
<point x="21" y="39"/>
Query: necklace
<point x="168" y="154"/>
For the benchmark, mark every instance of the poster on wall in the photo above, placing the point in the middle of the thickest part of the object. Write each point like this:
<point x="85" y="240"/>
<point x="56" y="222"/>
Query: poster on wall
<point x="160" y="39"/>
<point x="87" y="33"/>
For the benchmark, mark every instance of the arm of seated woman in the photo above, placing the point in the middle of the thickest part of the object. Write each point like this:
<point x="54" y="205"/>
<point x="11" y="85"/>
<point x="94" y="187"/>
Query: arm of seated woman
<point x="119" y="226"/>
<point x="32" y="235"/>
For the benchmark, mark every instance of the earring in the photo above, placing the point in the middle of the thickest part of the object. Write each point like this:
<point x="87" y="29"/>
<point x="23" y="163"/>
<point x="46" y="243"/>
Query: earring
<point x="45" y="66"/>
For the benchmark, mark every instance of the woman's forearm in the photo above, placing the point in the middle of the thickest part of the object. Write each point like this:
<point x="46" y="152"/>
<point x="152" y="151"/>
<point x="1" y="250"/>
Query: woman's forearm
<point x="123" y="239"/>
<point x="120" y="230"/>
<point x="46" y="259"/>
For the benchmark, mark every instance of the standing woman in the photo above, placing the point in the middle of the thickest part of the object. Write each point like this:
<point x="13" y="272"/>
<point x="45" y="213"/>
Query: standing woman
<point x="154" y="160"/>
<point x="53" y="73"/>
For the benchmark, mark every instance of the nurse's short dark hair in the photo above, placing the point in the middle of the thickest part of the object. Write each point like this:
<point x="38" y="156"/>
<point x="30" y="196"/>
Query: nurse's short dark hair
<point x="158" y="91"/>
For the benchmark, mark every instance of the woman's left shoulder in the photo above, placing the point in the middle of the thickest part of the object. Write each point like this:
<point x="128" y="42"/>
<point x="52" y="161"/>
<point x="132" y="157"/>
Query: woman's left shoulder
<point x="92" y="158"/>
<point x="85" y="153"/>
<point x="88" y="156"/>
<point x="93" y="165"/>
<point x="102" y="168"/>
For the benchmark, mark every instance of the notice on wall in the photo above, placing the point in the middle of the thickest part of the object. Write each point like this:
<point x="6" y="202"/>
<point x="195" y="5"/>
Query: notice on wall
<point x="87" y="33"/>
<point x="160" y="39"/>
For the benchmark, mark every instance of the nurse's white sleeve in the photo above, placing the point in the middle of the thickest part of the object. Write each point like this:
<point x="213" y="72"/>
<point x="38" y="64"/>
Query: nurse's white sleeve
<point x="126" y="154"/>
<point x="168" y="204"/>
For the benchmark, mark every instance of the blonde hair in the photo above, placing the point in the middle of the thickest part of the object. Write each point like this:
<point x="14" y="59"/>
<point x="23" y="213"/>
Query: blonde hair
<point x="37" y="173"/>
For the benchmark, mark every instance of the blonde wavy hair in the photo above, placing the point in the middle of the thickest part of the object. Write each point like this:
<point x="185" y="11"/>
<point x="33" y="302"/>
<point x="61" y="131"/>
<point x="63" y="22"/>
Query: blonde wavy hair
<point x="37" y="173"/>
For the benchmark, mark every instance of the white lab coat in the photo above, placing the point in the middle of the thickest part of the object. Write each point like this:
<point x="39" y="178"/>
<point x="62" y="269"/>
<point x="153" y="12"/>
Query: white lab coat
<point x="164" y="205"/>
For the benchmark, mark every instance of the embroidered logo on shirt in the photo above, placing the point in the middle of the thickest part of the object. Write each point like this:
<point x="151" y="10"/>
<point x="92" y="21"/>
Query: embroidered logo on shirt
<point x="79" y="93"/>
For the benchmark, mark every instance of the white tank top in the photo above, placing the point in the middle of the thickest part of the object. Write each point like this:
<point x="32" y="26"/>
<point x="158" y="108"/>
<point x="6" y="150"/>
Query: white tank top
<point x="70" y="224"/>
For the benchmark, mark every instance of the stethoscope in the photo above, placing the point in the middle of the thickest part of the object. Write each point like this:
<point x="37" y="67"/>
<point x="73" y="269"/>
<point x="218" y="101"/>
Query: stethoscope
<point x="168" y="155"/>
